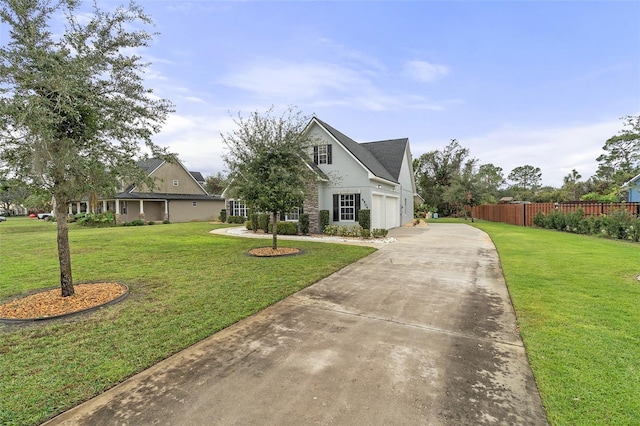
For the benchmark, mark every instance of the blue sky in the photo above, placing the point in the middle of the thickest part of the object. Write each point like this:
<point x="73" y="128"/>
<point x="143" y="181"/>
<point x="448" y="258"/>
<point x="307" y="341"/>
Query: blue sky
<point x="541" y="83"/>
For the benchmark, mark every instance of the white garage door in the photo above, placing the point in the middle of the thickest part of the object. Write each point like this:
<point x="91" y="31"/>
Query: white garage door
<point x="392" y="212"/>
<point x="377" y="211"/>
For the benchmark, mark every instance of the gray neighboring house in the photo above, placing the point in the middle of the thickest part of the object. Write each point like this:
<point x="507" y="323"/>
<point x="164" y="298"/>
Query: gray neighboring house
<point x="178" y="196"/>
<point x="351" y="176"/>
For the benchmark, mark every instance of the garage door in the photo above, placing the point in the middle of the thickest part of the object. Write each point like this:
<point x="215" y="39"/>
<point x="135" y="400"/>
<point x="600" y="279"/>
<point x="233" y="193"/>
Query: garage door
<point x="377" y="211"/>
<point x="392" y="212"/>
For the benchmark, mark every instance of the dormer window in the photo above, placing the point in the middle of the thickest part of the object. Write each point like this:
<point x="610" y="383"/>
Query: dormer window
<point x="322" y="154"/>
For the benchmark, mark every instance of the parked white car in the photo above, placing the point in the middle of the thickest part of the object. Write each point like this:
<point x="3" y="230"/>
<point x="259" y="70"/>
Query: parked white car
<point x="3" y="219"/>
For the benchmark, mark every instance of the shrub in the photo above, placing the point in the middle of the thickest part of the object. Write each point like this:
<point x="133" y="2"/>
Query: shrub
<point x="539" y="220"/>
<point x="249" y="225"/>
<point x="236" y="219"/>
<point x="324" y="219"/>
<point x="379" y="233"/>
<point x="223" y="215"/>
<point x="96" y="219"/>
<point x="618" y="223"/>
<point x="366" y="233"/>
<point x="136" y="222"/>
<point x="573" y="221"/>
<point x="364" y="218"/>
<point x="330" y="230"/>
<point x="151" y="222"/>
<point x="166" y="221"/>
<point x="263" y="222"/>
<point x="304" y="224"/>
<point x="253" y="221"/>
<point x="285" y="228"/>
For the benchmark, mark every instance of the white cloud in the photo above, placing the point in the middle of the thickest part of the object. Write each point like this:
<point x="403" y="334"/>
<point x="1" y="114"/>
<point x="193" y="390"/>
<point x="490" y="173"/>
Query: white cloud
<point x="556" y="151"/>
<point x="321" y="84"/>
<point x="196" y="139"/>
<point x="424" y="71"/>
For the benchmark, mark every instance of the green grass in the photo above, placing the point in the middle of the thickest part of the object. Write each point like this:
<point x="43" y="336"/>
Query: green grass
<point x="577" y="301"/>
<point x="185" y="284"/>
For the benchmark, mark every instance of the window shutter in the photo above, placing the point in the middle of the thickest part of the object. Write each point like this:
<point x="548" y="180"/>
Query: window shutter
<point x="329" y="154"/>
<point x="336" y="208"/>
<point x="357" y="202"/>
<point x="315" y="154"/>
<point x="230" y="208"/>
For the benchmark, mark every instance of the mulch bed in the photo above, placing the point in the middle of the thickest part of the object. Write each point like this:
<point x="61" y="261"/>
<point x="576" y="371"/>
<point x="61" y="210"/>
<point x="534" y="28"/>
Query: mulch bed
<point x="270" y="252"/>
<point x="50" y="303"/>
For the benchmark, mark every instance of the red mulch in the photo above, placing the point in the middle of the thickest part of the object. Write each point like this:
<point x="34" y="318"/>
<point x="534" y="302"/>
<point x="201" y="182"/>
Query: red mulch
<point x="51" y="303"/>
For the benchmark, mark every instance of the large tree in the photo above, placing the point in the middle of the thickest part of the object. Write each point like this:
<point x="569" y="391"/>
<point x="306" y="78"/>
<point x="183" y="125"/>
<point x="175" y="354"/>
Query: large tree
<point x="73" y="105"/>
<point x="490" y="180"/>
<point x="216" y="184"/>
<point x="268" y="159"/>
<point x="436" y="171"/>
<point x="621" y="160"/>
<point x="526" y="180"/>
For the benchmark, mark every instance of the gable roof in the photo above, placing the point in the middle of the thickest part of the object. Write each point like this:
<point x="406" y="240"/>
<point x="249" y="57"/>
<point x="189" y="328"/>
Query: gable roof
<point x="198" y="177"/>
<point x="627" y="185"/>
<point x="150" y="165"/>
<point x="382" y="158"/>
<point x="389" y="153"/>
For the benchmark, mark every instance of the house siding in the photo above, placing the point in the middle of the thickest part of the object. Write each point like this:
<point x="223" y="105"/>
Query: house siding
<point x="164" y="177"/>
<point x="184" y="211"/>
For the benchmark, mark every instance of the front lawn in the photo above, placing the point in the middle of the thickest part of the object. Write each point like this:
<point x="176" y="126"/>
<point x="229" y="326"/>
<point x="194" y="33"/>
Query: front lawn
<point x="577" y="300"/>
<point x="185" y="284"/>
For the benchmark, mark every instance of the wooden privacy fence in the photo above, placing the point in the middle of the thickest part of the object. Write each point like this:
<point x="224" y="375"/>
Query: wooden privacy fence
<point x="523" y="214"/>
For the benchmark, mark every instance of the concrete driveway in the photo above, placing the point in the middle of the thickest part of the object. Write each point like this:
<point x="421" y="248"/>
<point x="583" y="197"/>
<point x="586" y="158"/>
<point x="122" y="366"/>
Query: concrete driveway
<point x="422" y="332"/>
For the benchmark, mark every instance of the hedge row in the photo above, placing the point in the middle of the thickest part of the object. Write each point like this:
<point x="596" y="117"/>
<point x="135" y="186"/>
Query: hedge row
<point x="619" y="224"/>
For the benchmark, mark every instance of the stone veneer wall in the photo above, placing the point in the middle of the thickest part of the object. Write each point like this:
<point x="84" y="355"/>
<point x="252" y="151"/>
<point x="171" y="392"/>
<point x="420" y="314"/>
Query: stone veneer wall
<point x="311" y="208"/>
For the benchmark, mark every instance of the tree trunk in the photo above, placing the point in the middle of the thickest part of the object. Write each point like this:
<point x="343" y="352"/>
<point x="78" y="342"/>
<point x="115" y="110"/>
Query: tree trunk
<point x="64" y="254"/>
<point x="274" y="216"/>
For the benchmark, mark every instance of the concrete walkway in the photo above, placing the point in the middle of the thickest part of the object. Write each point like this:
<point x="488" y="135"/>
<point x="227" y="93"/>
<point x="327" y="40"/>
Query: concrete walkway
<point x="422" y="332"/>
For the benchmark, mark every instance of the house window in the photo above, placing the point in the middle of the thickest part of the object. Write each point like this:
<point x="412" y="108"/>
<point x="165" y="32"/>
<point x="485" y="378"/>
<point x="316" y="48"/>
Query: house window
<point x="293" y="216"/>
<point x="237" y="208"/>
<point x="346" y="207"/>
<point x="175" y="182"/>
<point x="194" y="204"/>
<point x="322" y="154"/>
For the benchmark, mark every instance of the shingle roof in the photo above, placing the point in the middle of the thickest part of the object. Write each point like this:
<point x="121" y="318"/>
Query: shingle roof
<point x="390" y="154"/>
<point x="150" y="164"/>
<point x="197" y="176"/>
<point x="383" y="160"/>
<point x="164" y="196"/>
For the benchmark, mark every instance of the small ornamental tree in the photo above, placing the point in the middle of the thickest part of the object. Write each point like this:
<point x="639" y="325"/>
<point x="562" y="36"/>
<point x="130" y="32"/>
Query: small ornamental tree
<point x="73" y="107"/>
<point x="268" y="162"/>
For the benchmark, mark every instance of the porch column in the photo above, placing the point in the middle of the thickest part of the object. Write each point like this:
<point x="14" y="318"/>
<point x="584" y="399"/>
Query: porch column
<point x="166" y="209"/>
<point x="141" y="209"/>
<point x="104" y="206"/>
<point x="78" y="207"/>
<point x="118" y="211"/>
<point x="70" y="209"/>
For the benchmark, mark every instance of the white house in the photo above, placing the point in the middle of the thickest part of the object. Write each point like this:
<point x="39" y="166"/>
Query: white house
<point x="374" y="175"/>
<point x="351" y="176"/>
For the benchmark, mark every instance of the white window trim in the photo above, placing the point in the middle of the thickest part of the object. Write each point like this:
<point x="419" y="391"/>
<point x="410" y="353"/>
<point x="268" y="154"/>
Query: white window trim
<point x="175" y="182"/>
<point x="292" y="216"/>
<point x="345" y="209"/>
